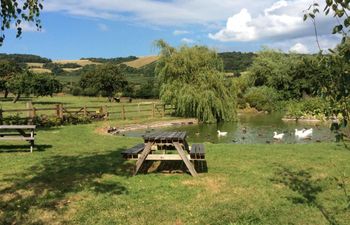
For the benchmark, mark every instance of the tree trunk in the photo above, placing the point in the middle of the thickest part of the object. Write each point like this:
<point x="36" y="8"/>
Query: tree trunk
<point x="16" y="98"/>
<point x="6" y="93"/>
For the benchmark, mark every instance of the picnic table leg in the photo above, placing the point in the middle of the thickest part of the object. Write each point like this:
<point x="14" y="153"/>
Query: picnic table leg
<point x="185" y="159"/>
<point x="143" y="156"/>
<point x="32" y="141"/>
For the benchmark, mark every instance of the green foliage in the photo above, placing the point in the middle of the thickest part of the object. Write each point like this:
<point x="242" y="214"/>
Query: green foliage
<point x="335" y="79"/>
<point x="8" y="70"/>
<point x="112" y="60"/>
<point x="309" y="108"/>
<point x="76" y="91"/>
<point x="46" y="121"/>
<point x="17" y="12"/>
<point x="45" y="85"/>
<point x="291" y="74"/>
<point x="24" y="58"/>
<point x="262" y="98"/>
<point x="236" y="62"/>
<point x="27" y="83"/>
<point x="149" y="89"/>
<point x="105" y="80"/>
<point x="339" y="9"/>
<point x="191" y="79"/>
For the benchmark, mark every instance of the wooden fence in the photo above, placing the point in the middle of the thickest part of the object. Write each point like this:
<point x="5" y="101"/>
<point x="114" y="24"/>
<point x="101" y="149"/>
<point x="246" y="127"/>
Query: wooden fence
<point x="117" y="111"/>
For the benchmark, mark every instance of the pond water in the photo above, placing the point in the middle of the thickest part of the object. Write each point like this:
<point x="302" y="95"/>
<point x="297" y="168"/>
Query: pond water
<point x="249" y="129"/>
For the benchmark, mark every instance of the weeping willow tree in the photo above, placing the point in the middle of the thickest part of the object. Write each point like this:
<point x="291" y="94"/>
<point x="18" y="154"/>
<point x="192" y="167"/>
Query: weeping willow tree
<point x="192" y="80"/>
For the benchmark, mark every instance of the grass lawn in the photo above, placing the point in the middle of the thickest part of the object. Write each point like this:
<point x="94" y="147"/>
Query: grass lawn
<point x="79" y="177"/>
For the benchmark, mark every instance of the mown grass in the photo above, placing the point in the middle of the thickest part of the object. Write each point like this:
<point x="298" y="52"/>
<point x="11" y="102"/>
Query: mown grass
<point x="79" y="177"/>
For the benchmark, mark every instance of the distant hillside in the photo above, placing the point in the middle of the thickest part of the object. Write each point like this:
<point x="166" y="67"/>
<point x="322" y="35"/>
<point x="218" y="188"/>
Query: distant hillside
<point x="81" y="62"/>
<point x="111" y="60"/>
<point x="24" y="58"/>
<point x="142" y="61"/>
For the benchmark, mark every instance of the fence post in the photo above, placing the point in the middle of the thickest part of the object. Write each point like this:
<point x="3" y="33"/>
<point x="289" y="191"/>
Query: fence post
<point x="138" y="106"/>
<point x="85" y="111"/>
<point x="30" y="109"/>
<point x="105" y="111"/>
<point x="60" y="111"/>
<point x="163" y="110"/>
<point x="123" y="112"/>
<point x="153" y="109"/>
<point x="1" y="116"/>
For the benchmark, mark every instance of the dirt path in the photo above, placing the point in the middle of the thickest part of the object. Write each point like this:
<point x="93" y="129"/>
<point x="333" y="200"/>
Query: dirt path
<point x="151" y="125"/>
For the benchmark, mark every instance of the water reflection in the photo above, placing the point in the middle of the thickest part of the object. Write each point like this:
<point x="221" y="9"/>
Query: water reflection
<point x="251" y="129"/>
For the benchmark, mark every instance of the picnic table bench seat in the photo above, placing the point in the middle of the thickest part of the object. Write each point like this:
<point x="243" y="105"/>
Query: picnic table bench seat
<point x="197" y="152"/>
<point x="18" y="132"/>
<point x="133" y="151"/>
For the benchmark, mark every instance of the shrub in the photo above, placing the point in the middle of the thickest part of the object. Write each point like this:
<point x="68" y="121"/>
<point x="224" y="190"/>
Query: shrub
<point x="76" y="91"/>
<point x="309" y="108"/>
<point x="262" y="98"/>
<point x="90" y="91"/>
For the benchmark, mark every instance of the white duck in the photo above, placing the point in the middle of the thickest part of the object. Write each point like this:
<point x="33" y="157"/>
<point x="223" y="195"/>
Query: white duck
<point x="298" y="132"/>
<point x="306" y="134"/>
<point x="221" y="133"/>
<point x="278" y="136"/>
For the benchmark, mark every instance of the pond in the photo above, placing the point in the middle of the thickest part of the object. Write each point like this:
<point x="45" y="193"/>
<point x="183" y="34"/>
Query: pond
<point x="249" y="129"/>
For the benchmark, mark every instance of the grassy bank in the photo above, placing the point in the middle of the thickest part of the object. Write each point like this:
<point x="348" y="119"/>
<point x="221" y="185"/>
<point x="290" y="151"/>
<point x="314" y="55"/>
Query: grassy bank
<point x="79" y="177"/>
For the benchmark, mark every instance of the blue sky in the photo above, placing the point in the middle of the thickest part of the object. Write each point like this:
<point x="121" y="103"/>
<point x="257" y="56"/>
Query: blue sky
<point x="111" y="28"/>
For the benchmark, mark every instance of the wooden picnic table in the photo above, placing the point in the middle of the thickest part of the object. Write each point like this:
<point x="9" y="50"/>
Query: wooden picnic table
<point x="175" y="141"/>
<point x="23" y="132"/>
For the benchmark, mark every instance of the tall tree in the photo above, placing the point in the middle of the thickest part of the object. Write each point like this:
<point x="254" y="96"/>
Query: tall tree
<point x="192" y="80"/>
<point x="27" y="83"/>
<point x="105" y="80"/>
<point x="15" y="12"/>
<point x="7" y="71"/>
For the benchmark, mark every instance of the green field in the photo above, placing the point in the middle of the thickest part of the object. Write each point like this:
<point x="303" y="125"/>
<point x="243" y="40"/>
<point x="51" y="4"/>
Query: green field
<point x="77" y="176"/>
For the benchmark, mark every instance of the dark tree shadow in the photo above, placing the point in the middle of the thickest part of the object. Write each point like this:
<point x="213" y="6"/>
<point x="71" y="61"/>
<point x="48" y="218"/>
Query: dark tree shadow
<point x="10" y="99"/>
<point x="302" y="183"/>
<point x="50" y="103"/>
<point x="45" y="185"/>
<point x="23" y="148"/>
<point x="171" y="167"/>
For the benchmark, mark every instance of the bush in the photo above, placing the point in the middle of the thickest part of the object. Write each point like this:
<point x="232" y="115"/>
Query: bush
<point x="262" y="98"/>
<point x="46" y="121"/>
<point x="92" y="92"/>
<point x="310" y="108"/>
<point x="76" y="91"/>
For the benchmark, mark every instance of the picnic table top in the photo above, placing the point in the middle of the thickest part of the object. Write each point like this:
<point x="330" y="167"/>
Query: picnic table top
<point x="17" y="127"/>
<point x="165" y="136"/>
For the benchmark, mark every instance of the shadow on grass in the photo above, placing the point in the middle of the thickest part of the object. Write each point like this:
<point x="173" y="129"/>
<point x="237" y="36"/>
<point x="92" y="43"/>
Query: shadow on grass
<point x="171" y="167"/>
<point x="302" y="183"/>
<point x="46" y="185"/>
<point x="10" y="99"/>
<point x="49" y="103"/>
<point x="23" y="148"/>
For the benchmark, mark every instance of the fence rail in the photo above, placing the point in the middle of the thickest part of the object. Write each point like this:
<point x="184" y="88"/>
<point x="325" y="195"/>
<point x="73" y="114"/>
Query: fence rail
<point x="118" y="111"/>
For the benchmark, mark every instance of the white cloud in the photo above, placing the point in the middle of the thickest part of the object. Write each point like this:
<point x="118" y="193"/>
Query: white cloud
<point x="180" y="32"/>
<point x="237" y="28"/>
<point x="102" y="27"/>
<point x="187" y="41"/>
<point x="328" y="41"/>
<point x="299" y="48"/>
<point x="154" y="12"/>
<point x="282" y="19"/>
